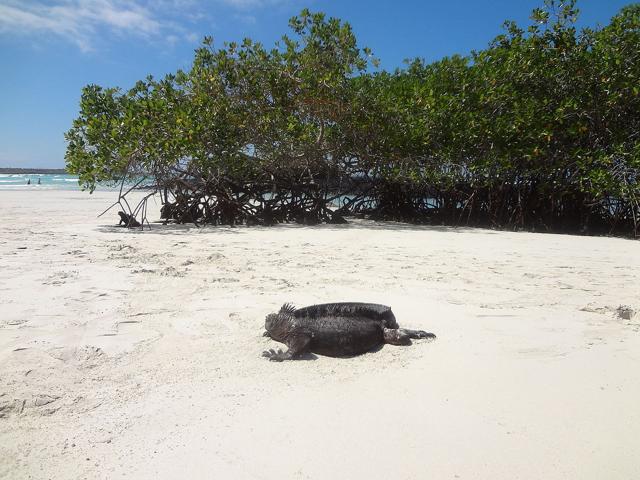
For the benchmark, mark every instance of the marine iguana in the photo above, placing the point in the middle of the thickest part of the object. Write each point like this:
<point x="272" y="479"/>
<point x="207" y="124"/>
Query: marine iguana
<point x="128" y="220"/>
<point x="335" y="329"/>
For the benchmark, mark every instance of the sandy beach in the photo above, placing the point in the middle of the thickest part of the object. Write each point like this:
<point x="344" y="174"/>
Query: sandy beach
<point x="138" y="354"/>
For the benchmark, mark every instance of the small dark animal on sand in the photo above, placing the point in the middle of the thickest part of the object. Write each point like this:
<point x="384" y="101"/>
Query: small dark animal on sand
<point x="335" y="329"/>
<point x="128" y="220"/>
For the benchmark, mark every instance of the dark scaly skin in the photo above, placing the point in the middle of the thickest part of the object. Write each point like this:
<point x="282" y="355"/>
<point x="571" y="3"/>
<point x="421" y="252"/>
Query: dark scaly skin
<point x="128" y="220"/>
<point x="372" y="311"/>
<point x="335" y="330"/>
<point x="356" y="310"/>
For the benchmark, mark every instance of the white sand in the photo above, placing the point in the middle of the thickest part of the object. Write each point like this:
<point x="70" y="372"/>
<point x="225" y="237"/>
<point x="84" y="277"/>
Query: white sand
<point x="138" y="354"/>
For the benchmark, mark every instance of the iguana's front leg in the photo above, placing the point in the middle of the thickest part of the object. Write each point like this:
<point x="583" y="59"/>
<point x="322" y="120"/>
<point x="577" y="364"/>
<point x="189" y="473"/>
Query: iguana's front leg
<point x="298" y="345"/>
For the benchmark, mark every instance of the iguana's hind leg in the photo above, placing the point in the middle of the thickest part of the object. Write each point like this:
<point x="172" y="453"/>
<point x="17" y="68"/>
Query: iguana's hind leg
<point x="298" y="345"/>
<point x="395" y="336"/>
<point x="417" y="333"/>
<point x="402" y="336"/>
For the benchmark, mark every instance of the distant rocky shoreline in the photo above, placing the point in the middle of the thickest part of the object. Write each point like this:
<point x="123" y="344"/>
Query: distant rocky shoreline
<point x="28" y="171"/>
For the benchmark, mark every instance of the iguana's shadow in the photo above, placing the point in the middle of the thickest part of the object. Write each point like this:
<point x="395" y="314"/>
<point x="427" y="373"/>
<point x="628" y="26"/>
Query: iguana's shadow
<point x="376" y="348"/>
<point x="308" y="357"/>
<point x="312" y="356"/>
<point x="347" y="357"/>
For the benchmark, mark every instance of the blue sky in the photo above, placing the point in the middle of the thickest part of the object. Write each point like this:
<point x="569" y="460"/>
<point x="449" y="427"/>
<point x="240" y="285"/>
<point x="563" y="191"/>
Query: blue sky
<point x="50" y="49"/>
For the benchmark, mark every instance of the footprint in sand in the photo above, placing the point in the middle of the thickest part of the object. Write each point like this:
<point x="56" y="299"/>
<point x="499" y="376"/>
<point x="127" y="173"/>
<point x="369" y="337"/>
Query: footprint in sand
<point x="41" y="404"/>
<point x="623" y="312"/>
<point x="143" y="270"/>
<point x="60" y="278"/>
<point x="172" y="272"/>
<point x="84" y="357"/>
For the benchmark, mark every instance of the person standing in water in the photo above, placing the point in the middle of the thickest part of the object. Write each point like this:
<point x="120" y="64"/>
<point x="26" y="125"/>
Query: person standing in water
<point x="29" y="181"/>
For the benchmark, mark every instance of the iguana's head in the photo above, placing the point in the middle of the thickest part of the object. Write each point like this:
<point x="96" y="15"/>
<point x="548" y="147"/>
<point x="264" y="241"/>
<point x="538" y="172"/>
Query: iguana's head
<point x="277" y="324"/>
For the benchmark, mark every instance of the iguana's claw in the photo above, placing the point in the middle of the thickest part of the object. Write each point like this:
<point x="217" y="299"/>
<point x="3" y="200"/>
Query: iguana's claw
<point x="273" y="355"/>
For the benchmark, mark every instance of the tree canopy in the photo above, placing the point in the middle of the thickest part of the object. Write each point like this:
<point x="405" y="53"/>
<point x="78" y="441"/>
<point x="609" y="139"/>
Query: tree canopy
<point x="539" y="130"/>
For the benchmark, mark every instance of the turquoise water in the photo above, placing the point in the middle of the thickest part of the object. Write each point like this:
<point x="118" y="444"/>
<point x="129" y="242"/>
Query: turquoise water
<point x="47" y="181"/>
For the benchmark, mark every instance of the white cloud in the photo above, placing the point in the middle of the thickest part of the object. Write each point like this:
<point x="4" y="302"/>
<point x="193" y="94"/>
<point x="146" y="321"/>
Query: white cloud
<point x="251" y="4"/>
<point x="243" y="3"/>
<point x="83" y="22"/>
<point x="192" y="37"/>
<point x="79" y="20"/>
<point x="247" y="19"/>
<point x="172" y="39"/>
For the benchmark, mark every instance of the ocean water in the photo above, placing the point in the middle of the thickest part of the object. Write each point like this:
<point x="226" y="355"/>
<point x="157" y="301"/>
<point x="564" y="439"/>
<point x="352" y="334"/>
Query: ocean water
<point x="38" y="181"/>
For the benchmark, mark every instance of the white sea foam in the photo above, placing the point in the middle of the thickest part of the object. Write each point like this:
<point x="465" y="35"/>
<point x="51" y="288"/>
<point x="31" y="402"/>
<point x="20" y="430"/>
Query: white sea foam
<point x="42" y="181"/>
